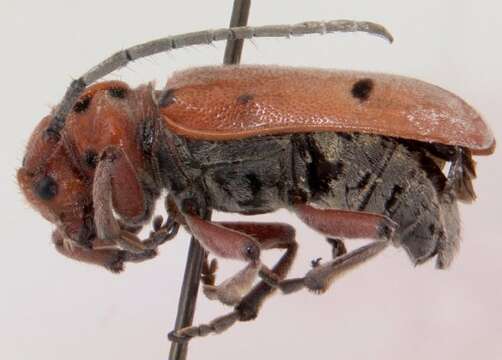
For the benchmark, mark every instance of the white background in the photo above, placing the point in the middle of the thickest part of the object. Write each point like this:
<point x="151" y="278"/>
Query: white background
<point x="55" y="308"/>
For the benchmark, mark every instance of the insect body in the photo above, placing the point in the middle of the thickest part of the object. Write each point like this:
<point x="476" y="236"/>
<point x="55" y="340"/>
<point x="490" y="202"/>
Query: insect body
<point x="352" y="154"/>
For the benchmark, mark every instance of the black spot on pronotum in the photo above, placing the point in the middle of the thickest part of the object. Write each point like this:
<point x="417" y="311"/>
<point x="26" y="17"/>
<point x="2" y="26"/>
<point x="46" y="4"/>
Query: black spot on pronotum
<point x="166" y="98"/>
<point x="46" y="188"/>
<point x="244" y="98"/>
<point x="91" y="158"/>
<point x="82" y="104"/>
<point x="118" y="92"/>
<point x="362" y="89"/>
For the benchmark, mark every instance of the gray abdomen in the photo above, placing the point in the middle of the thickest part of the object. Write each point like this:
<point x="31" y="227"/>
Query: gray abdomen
<point x="355" y="172"/>
<point x="383" y="175"/>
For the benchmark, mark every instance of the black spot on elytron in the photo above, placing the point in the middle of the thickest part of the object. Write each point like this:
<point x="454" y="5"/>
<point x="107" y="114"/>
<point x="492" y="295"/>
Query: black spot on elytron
<point x="244" y="98"/>
<point x="118" y="92"/>
<point x="362" y="89"/>
<point x="91" y="158"/>
<point x="167" y="98"/>
<point x="82" y="104"/>
<point x="46" y="188"/>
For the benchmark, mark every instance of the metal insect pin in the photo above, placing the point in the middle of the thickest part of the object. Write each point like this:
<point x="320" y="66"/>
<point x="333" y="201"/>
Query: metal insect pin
<point x="331" y="146"/>
<point x="197" y="265"/>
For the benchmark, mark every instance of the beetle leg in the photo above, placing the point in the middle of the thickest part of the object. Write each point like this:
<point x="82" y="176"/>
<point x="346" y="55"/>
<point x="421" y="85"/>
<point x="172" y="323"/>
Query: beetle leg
<point x="320" y="277"/>
<point x="345" y="223"/>
<point x="216" y="326"/>
<point x="162" y="231"/>
<point x="208" y="273"/>
<point x="230" y="244"/>
<point x="337" y="247"/>
<point x="231" y="291"/>
<point x="114" y="165"/>
<point x="348" y="224"/>
<point x="270" y="236"/>
<point x="330" y="222"/>
<point x="227" y="243"/>
<point x="317" y="280"/>
<point x="111" y="258"/>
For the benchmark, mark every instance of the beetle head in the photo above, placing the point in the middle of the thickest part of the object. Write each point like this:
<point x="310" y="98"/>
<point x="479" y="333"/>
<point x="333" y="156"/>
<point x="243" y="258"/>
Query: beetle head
<point x="58" y="171"/>
<point x="55" y="187"/>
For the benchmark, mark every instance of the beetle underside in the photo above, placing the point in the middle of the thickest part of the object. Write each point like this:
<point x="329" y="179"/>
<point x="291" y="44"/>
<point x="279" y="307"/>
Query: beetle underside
<point x="399" y="179"/>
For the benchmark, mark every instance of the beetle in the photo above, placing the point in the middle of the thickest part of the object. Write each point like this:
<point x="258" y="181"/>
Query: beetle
<point x="352" y="154"/>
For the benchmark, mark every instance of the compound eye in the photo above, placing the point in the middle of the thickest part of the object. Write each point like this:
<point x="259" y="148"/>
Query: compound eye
<point x="46" y="188"/>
